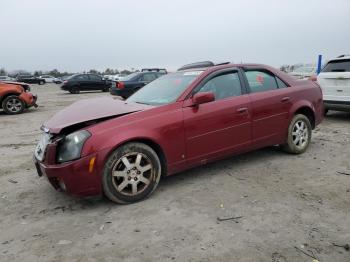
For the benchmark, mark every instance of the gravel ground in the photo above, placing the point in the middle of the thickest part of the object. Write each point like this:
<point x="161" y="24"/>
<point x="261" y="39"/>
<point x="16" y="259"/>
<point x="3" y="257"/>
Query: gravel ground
<point x="287" y="204"/>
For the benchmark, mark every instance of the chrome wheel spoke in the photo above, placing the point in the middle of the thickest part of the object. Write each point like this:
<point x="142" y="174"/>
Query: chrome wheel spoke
<point x="146" y="168"/>
<point x="138" y="160"/>
<point x="119" y="174"/>
<point x="126" y="163"/>
<point x="144" y="180"/>
<point x="134" y="188"/>
<point x="296" y="140"/>
<point x="123" y="185"/>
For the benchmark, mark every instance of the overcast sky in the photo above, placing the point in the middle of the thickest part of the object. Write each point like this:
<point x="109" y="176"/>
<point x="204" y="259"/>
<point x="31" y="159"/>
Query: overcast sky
<point x="78" y="35"/>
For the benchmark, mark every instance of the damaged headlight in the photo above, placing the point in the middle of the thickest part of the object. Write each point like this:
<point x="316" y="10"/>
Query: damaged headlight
<point x="69" y="148"/>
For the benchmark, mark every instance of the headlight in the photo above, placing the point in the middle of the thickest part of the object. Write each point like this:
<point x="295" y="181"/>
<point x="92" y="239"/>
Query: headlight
<point x="70" y="147"/>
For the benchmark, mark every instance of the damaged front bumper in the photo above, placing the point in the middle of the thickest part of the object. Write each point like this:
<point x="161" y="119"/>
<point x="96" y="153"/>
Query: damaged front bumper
<point x="29" y="99"/>
<point x="80" y="177"/>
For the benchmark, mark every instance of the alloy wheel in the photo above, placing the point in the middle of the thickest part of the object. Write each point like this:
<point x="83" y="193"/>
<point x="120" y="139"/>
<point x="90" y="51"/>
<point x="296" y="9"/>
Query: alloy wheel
<point x="14" y="105"/>
<point x="132" y="173"/>
<point x="300" y="134"/>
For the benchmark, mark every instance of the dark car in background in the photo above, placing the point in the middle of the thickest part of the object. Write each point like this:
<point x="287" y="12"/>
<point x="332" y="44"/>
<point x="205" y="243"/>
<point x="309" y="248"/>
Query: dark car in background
<point x="133" y="82"/>
<point x="30" y="79"/>
<point x="85" y="82"/>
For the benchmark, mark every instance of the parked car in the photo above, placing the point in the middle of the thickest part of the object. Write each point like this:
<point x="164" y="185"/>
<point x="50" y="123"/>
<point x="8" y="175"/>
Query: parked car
<point x="51" y="79"/>
<point x="135" y="81"/>
<point x="118" y="77"/>
<point x="30" y="79"/>
<point x="304" y="72"/>
<point x="15" y="97"/>
<point x="202" y="113"/>
<point x="85" y="82"/>
<point x="6" y="78"/>
<point x="334" y="80"/>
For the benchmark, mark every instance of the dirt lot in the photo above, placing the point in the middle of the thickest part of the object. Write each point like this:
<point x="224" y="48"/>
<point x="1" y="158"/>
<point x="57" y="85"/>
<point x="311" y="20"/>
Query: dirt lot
<point x="285" y="202"/>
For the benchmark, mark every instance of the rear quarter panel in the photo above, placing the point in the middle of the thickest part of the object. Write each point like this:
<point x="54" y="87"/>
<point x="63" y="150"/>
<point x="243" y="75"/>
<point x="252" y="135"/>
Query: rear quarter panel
<point x="308" y="94"/>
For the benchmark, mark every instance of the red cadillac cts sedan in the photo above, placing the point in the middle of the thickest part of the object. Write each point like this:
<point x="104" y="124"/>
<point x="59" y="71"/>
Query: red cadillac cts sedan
<point x="201" y="113"/>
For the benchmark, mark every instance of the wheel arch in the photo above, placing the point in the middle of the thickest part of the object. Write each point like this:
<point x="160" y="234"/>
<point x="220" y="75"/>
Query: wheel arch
<point x="152" y="144"/>
<point x="308" y="112"/>
<point x="2" y="98"/>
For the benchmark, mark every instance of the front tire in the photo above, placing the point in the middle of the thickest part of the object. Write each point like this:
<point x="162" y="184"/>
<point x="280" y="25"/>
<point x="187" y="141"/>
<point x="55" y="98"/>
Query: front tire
<point x="299" y="135"/>
<point x="131" y="173"/>
<point x="13" y="105"/>
<point x="41" y="82"/>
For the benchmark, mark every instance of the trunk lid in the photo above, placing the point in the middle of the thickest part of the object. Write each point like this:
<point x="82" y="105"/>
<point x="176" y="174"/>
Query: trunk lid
<point x="335" y="85"/>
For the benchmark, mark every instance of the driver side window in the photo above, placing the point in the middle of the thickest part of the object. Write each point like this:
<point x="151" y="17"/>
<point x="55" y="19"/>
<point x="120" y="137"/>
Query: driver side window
<point x="223" y="86"/>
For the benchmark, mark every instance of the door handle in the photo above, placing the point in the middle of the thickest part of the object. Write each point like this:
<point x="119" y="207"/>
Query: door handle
<point x="285" y="99"/>
<point x="242" y="110"/>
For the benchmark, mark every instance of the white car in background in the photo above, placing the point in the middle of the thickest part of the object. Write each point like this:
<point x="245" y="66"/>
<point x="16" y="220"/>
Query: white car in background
<point x="6" y="78"/>
<point x="117" y="77"/>
<point x="51" y="79"/>
<point x="334" y="80"/>
<point x="304" y="72"/>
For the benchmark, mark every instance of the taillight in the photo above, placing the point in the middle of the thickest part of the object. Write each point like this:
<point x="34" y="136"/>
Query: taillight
<point x="65" y="82"/>
<point x="120" y="85"/>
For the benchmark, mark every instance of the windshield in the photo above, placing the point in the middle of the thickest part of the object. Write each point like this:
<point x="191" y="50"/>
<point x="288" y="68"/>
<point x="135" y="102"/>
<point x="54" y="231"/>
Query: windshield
<point x="165" y="89"/>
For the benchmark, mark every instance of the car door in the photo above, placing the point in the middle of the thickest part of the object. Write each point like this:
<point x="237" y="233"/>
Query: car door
<point x="221" y="127"/>
<point x="271" y="102"/>
<point x="95" y="82"/>
<point x="82" y="81"/>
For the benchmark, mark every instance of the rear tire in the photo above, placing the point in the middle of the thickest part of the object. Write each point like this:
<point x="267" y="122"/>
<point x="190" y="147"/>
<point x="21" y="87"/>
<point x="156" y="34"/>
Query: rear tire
<point x="13" y="105"/>
<point x="326" y="112"/>
<point x="74" y="90"/>
<point x="41" y="82"/>
<point x="131" y="173"/>
<point x="299" y="135"/>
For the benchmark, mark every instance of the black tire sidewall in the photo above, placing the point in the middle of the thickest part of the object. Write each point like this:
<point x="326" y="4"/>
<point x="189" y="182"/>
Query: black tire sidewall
<point x="290" y="147"/>
<point x="111" y="192"/>
<point x="10" y="112"/>
<point x="74" y="90"/>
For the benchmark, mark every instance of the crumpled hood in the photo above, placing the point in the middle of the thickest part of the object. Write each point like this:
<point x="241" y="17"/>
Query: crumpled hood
<point x="91" y="109"/>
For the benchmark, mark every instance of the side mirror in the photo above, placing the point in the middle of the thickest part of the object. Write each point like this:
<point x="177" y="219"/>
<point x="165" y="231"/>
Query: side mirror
<point x="203" y="97"/>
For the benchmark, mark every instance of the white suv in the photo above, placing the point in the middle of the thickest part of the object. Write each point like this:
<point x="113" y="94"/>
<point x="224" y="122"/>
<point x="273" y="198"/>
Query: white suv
<point x="334" y="80"/>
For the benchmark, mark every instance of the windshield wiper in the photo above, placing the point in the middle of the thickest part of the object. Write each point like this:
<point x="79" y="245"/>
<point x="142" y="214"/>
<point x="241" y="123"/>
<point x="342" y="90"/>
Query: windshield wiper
<point x="142" y="103"/>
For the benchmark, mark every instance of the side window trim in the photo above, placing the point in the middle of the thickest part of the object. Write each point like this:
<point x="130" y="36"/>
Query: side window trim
<point x="286" y="85"/>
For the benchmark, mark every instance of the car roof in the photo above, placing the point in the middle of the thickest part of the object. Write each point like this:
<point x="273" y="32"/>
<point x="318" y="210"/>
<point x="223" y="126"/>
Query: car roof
<point x="341" y="57"/>
<point x="228" y="65"/>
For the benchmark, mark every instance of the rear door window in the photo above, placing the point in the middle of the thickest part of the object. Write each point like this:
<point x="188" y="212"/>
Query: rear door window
<point x="95" y="78"/>
<point x="81" y="77"/>
<point x="260" y="81"/>
<point x="337" y="66"/>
